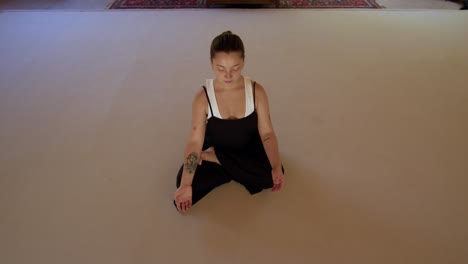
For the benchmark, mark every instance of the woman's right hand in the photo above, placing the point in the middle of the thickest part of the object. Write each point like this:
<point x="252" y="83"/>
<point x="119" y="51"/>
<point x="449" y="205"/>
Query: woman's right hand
<point x="183" y="198"/>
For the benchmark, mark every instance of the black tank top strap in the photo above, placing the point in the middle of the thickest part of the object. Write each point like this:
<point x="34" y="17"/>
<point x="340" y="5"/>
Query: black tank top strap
<point x="254" y="94"/>
<point x="208" y="98"/>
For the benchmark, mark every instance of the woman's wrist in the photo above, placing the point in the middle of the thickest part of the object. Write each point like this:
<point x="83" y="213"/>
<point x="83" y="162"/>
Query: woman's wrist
<point x="276" y="168"/>
<point x="185" y="184"/>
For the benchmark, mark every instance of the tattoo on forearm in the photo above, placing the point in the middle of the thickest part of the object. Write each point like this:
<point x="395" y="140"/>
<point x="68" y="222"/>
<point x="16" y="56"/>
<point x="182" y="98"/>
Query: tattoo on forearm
<point x="191" y="162"/>
<point x="266" y="139"/>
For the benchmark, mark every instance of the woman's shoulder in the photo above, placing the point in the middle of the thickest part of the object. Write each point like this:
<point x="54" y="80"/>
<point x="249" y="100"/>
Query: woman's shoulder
<point x="200" y="100"/>
<point x="259" y="89"/>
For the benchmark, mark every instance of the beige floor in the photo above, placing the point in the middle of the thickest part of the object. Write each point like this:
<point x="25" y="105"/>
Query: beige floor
<point x="419" y="4"/>
<point x="103" y="4"/>
<point x="370" y="109"/>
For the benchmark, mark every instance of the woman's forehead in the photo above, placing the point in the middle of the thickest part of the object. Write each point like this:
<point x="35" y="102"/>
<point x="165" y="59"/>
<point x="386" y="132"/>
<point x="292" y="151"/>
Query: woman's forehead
<point x="230" y="55"/>
<point x="228" y="59"/>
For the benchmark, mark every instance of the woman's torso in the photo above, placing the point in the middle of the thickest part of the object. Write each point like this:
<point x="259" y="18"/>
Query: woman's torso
<point x="232" y="134"/>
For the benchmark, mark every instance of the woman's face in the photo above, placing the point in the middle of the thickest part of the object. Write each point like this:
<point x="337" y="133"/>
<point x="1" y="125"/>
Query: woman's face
<point x="227" y="67"/>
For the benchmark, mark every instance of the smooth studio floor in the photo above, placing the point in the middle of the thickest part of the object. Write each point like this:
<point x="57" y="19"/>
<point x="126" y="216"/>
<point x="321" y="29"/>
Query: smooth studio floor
<point x="370" y="109"/>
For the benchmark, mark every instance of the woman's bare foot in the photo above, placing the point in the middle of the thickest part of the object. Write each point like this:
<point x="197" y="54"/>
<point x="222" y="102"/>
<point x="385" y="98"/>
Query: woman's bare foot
<point x="210" y="155"/>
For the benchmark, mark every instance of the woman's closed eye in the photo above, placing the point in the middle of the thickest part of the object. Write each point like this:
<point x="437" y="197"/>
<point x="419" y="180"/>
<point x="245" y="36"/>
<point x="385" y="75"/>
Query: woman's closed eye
<point x="234" y="69"/>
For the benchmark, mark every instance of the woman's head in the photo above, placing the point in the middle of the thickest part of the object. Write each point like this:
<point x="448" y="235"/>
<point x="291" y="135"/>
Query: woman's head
<point x="227" y="42"/>
<point x="227" y="57"/>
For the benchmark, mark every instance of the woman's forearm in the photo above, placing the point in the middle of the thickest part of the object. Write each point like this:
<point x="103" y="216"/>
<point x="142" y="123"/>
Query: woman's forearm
<point x="192" y="157"/>
<point x="270" y="143"/>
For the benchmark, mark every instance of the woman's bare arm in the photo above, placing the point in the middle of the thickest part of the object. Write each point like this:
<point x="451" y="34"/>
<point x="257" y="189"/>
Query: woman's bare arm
<point x="265" y="127"/>
<point x="196" y="138"/>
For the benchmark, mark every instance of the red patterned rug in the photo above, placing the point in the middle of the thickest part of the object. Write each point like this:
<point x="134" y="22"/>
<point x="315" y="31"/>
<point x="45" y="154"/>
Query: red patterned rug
<point x="142" y="4"/>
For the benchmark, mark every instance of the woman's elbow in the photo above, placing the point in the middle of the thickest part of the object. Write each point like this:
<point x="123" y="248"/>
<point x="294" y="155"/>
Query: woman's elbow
<point x="268" y="135"/>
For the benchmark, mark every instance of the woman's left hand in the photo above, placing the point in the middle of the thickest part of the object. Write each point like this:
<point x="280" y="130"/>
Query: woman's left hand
<point x="278" y="180"/>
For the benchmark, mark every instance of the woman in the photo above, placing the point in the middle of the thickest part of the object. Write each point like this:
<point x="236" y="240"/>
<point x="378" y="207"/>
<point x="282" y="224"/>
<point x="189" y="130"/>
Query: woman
<point x="231" y="124"/>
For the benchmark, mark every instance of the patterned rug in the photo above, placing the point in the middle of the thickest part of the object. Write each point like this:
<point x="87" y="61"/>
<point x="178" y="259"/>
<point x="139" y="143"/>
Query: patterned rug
<point x="137" y="4"/>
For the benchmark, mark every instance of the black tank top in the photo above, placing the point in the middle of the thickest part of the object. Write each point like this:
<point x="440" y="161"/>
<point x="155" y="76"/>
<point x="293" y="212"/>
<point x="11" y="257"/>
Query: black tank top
<point x="238" y="145"/>
<point x="232" y="134"/>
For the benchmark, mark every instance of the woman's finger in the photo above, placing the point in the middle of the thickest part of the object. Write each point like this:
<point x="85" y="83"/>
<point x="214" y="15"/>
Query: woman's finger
<point x="280" y="186"/>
